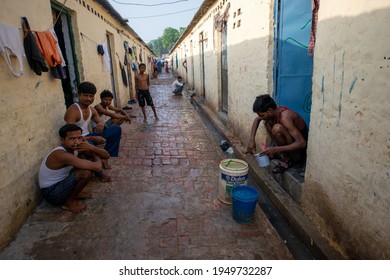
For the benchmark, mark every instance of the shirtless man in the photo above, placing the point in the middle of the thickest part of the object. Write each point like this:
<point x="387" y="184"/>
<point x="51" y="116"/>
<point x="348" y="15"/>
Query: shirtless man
<point x="81" y="114"/>
<point x="143" y="94"/>
<point x="286" y="128"/>
<point x="63" y="174"/>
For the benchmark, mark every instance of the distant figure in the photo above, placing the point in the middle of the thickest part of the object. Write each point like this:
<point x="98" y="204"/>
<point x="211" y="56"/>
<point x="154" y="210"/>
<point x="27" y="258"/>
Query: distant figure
<point x="159" y="66"/>
<point x="166" y="66"/>
<point x="177" y="86"/>
<point x="143" y="94"/>
<point x="286" y="128"/>
<point x="155" y="69"/>
<point x="63" y="174"/>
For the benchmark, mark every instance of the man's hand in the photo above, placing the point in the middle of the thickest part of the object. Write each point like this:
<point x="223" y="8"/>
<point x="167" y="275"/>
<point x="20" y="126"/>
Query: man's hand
<point x="97" y="139"/>
<point x="251" y="148"/>
<point x="100" y="127"/>
<point x="271" y="151"/>
<point x="84" y="146"/>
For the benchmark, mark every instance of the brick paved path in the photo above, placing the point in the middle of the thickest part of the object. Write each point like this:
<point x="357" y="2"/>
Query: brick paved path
<point x="162" y="204"/>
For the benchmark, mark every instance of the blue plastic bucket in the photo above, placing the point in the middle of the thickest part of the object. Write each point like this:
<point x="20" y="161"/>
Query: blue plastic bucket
<point x="244" y="200"/>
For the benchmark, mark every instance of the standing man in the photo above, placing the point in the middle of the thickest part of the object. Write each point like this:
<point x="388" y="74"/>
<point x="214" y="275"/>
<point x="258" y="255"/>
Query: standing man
<point x="143" y="94"/>
<point x="286" y="128"/>
<point x="63" y="174"/>
<point x="81" y="114"/>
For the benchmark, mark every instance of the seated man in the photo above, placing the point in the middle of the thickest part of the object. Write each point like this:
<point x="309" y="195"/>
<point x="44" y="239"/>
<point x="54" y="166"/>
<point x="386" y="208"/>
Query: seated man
<point x="177" y="86"/>
<point x="82" y="113"/>
<point x="63" y="174"/>
<point x="286" y="128"/>
<point x="105" y="109"/>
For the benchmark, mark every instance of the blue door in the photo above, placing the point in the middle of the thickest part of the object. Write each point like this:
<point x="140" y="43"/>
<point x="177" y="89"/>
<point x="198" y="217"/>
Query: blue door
<point x="293" y="66"/>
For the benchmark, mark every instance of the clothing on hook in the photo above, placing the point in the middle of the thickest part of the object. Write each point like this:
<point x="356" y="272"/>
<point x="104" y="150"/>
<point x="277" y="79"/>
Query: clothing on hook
<point x="11" y="44"/>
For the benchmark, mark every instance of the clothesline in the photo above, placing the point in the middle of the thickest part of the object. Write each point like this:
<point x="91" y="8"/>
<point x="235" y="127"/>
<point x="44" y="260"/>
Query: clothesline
<point x="82" y="34"/>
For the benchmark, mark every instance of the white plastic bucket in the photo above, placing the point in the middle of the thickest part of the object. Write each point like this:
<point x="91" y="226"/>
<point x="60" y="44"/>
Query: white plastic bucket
<point x="234" y="172"/>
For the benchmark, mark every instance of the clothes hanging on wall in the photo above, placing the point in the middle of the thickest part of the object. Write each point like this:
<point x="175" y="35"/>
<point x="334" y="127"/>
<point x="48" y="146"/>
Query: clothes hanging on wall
<point x="34" y="56"/>
<point x="123" y="72"/>
<point x="100" y="49"/>
<point x="106" y="59"/>
<point x="47" y="45"/>
<point x="11" y="44"/>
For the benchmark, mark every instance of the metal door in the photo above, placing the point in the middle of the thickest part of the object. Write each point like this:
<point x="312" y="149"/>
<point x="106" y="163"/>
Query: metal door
<point x="224" y="70"/>
<point x="293" y="66"/>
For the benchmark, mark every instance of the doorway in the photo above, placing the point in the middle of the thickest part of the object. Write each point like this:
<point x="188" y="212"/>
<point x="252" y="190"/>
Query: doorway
<point x="293" y="68"/>
<point x="202" y="74"/>
<point x="224" y="70"/>
<point x="63" y="30"/>
<point x="112" y="78"/>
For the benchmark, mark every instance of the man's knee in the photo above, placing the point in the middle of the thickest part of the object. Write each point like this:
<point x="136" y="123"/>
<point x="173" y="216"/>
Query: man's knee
<point x="278" y="129"/>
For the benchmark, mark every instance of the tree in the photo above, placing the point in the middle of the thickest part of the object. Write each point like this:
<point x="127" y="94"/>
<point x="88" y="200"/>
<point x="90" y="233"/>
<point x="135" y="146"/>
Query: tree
<point x="169" y="37"/>
<point x="163" y="44"/>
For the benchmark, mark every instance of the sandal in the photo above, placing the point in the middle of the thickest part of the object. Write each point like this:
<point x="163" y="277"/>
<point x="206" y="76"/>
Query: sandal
<point x="279" y="168"/>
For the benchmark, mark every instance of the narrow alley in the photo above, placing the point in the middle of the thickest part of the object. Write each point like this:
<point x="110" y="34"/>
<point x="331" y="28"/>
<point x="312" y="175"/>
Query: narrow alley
<point x="162" y="203"/>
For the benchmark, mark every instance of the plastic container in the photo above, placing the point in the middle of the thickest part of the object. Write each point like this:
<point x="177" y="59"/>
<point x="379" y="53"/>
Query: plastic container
<point x="244" y="203"/>
<point x="262" y="161"/>
<point x="234" y="172"/>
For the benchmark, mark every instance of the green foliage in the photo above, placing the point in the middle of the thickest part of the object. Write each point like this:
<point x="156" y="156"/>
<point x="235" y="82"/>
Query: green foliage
<point x="163" y="44"/>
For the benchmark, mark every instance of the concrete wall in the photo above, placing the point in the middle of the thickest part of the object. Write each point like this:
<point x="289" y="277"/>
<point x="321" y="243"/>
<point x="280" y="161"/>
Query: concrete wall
<point x="33" y="107"/>
<point x="347" y="181"/>
<point x="250" y="60"/>
<point x="346" y="190"/>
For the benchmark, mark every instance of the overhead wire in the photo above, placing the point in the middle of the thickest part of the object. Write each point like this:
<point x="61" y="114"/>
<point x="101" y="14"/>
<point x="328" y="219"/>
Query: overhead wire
<point x="164" y="14"/>
<point x="149" y="5"/>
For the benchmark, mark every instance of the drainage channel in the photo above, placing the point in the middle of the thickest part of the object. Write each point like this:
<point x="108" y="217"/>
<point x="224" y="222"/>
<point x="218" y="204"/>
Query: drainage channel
<point x="292" y="241"/>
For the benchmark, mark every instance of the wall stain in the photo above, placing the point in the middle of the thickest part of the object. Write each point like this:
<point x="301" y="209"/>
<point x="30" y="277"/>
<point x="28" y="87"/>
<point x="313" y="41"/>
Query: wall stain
<point x="341" y="89"/>
<point x="352" y="86"/>
<point x="323" y="99"/>
<point x="334" y="74"/>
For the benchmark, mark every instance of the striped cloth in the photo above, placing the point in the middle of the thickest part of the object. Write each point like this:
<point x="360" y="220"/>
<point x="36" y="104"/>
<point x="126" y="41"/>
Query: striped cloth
<point x="315" y="6"/>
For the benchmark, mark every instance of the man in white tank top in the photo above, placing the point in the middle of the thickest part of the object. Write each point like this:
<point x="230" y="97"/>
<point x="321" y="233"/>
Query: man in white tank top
<point x="82" y="113"/>
<point x="63" y="175"/>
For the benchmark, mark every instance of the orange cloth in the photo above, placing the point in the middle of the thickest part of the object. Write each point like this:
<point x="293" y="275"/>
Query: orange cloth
<point x="47" y="45"/>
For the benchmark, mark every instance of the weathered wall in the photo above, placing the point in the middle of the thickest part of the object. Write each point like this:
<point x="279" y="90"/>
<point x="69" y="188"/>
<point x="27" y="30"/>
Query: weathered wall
<point x="347" y="177"/>
<point x="250" y="60"/>
<point x="33" y="106"/>
<point x="347" y="181"/>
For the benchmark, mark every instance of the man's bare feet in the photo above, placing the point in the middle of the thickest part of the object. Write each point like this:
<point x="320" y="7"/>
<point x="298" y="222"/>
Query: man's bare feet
<point x="74" y="206"/>
<point x="157" y="119"/>
<point x="145" y="120"/>
<point x="105" y="178"/>
<point x="84" y="195"/>
<point x="105" y="164"/>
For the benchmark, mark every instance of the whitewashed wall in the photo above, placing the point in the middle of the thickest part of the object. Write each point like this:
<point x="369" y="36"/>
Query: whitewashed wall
<point x="347" y="181"/>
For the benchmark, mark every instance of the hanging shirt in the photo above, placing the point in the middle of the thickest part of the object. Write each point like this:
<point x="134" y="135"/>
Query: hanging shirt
<point x="47" y="44"/>
<point x="106" y="59"/>
<point x="33" y="53"/>
<point x="11" y="44"/>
